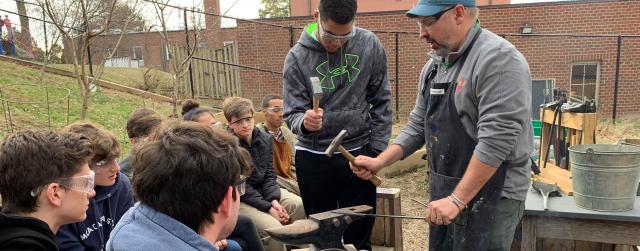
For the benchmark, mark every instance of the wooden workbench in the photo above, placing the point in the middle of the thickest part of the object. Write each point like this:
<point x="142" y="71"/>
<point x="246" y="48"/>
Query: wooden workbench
<point x="567" y="227"/>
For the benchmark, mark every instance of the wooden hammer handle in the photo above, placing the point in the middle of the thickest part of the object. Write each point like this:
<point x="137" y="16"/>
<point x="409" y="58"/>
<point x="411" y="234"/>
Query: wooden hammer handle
<point x="375" y="179"/>
<point x="316" y="104"/>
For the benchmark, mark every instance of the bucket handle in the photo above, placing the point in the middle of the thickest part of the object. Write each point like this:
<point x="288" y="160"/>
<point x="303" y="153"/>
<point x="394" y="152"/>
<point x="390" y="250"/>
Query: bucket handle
<point x="623" y="141"/>
<point x="590" y="153"/>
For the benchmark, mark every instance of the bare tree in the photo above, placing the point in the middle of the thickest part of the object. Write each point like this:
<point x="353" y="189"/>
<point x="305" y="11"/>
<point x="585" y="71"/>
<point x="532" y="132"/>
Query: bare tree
<point x="79" y="22"/>
<point x="179" y="67"/>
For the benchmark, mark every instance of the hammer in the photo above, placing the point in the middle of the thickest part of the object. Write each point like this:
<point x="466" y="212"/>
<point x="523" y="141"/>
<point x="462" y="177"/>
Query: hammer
<point x="323" y="231"/>
<point x="336" y="144"/>
<point x="317" y="92"/>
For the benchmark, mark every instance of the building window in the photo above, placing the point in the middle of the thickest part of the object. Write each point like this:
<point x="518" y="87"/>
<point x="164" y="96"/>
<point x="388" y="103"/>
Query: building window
<point x="203" y="45"/>
<point x="137" y="53"/>
<point x="584" y="80"/>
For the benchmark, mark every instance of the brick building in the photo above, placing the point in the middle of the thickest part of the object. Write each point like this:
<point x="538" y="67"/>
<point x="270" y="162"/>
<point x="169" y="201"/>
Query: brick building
<point x="306" y="7"/>
<point x="583" y="64"/>
<point x="150" y="48"/>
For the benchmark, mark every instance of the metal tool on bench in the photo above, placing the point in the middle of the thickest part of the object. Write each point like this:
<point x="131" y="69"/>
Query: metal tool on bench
<point x="545" y="189"/>
<point x="323" y="231"/>
<point x="336" y="145"/>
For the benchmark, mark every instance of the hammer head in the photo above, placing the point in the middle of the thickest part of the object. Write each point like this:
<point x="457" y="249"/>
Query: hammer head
<point x="316" y="86"/>
<point x="337" y="141"/>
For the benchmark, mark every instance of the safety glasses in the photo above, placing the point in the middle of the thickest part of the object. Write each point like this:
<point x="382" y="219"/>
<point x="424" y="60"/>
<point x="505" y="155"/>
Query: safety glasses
<point x="83" y="183"/>
<point x="241" y="184"/>
<point x="328" y="36"/>
<point x="105" y="163"/>
<point x="275" y="109"/>
<point x="242" y="121"/>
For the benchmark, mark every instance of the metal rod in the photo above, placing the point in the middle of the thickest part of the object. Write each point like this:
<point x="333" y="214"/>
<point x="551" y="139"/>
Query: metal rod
<point x="397" y="79"/>
<point x="238" y="65"/>
<point x="86" y="27"/>
<point x="10" y="119"/>
<point x="419" y="202"/>
<point x="186" y="33"/>
<point x="4" y="111"/>
<point x="68" y="105"/>
<point x="44" y="24"/>
<point x="46" y="90"/>
<point x="615" y="89"/>
<point x="381" y="215"/>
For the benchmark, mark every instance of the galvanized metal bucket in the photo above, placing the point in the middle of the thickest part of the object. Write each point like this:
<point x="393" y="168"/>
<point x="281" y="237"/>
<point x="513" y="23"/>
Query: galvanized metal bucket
<point x="605" y="177"/>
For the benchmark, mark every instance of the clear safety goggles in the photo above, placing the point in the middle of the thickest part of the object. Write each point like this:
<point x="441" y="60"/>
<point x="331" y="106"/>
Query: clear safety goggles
<point x="328" y="36"/>
<point x="83" y="183"/>
<point x="275" y="109"/>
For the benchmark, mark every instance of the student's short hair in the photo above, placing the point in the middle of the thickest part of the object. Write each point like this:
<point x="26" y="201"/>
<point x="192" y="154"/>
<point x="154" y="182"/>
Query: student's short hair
<point x="236" y="106"/>
<point x="30" y="160"/>
<point x="339" y="11"/>
<point x="105" y="144"/>
<point x="269" y="97"/>
<point x="185" y="169"/>
<point x="142" y="121"/>
<point x="191" y="110"/>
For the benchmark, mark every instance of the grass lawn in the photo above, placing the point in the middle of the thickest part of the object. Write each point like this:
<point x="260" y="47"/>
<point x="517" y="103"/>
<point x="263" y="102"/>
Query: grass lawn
<point x="108" y="108"/>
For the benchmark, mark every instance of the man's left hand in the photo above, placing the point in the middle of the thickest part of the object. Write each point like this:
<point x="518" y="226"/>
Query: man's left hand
<point x="441" y="212"/>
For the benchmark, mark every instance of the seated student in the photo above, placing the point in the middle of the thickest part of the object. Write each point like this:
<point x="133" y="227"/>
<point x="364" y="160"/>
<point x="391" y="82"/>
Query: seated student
<point x="45" y="182"/>
<point x="192" y="111"/>
<point x="139" y="126"/>
<point x="188" y="178"/>
<point x="265" y="203"/>
<point x="113" y="193"/>
<point x="245" y="234"/>
<point x="284" y="142"/>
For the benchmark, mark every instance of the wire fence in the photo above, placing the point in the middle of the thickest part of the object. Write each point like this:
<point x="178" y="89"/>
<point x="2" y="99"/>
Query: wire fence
<point x="599" y="67"/>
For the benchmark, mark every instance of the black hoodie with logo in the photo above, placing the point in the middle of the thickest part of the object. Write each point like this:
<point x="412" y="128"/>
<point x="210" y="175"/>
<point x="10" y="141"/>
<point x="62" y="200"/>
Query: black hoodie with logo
<point x="25" y="234"/>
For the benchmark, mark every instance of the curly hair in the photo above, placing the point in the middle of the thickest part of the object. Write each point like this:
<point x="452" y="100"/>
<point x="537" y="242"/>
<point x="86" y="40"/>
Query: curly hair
<point x="188" y="163"/>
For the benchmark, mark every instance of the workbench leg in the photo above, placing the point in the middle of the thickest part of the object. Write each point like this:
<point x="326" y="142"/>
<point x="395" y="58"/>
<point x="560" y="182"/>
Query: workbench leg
<point x="528" y="233"/>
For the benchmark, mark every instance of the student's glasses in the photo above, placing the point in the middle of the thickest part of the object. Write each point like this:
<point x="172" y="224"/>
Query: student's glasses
<point x="104" y="163"/>
<point x="83" y="183"/>
<point x="275" y="109"/>
<point x="242" y="121"/>
<point x="329" y="36"/>
<point x="241" y="184"/>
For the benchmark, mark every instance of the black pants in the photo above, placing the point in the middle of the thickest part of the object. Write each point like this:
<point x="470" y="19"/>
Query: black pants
<point x="328" y="183"/>
<point x="246" y="234"/>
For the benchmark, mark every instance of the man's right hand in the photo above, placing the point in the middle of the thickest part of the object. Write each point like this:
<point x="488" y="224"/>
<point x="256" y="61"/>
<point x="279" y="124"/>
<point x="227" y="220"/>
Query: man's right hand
<point x="365" y="167"/>
<point x="312" y="121"/>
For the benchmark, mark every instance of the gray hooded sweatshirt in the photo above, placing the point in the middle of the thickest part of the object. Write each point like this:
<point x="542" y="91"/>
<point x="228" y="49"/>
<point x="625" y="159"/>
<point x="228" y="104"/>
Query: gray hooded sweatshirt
<point x="357" y="94"/>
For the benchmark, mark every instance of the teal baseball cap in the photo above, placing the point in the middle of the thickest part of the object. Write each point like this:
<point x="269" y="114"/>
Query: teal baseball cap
<point x="426" y="8"/>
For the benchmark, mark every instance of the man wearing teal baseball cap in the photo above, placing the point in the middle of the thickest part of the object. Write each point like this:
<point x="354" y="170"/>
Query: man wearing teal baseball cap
<point x="473" y="115"/>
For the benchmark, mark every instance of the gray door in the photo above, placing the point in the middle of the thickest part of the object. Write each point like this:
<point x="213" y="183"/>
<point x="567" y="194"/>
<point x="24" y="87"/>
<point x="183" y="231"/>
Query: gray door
<point x="541" y="93"/>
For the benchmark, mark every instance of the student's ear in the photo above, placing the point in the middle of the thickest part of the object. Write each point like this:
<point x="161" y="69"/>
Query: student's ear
<point x="54" y="194"/>
<point x="227" y="202"/>
<point x="316" y="14"/>
<point x="133" y="141"/>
